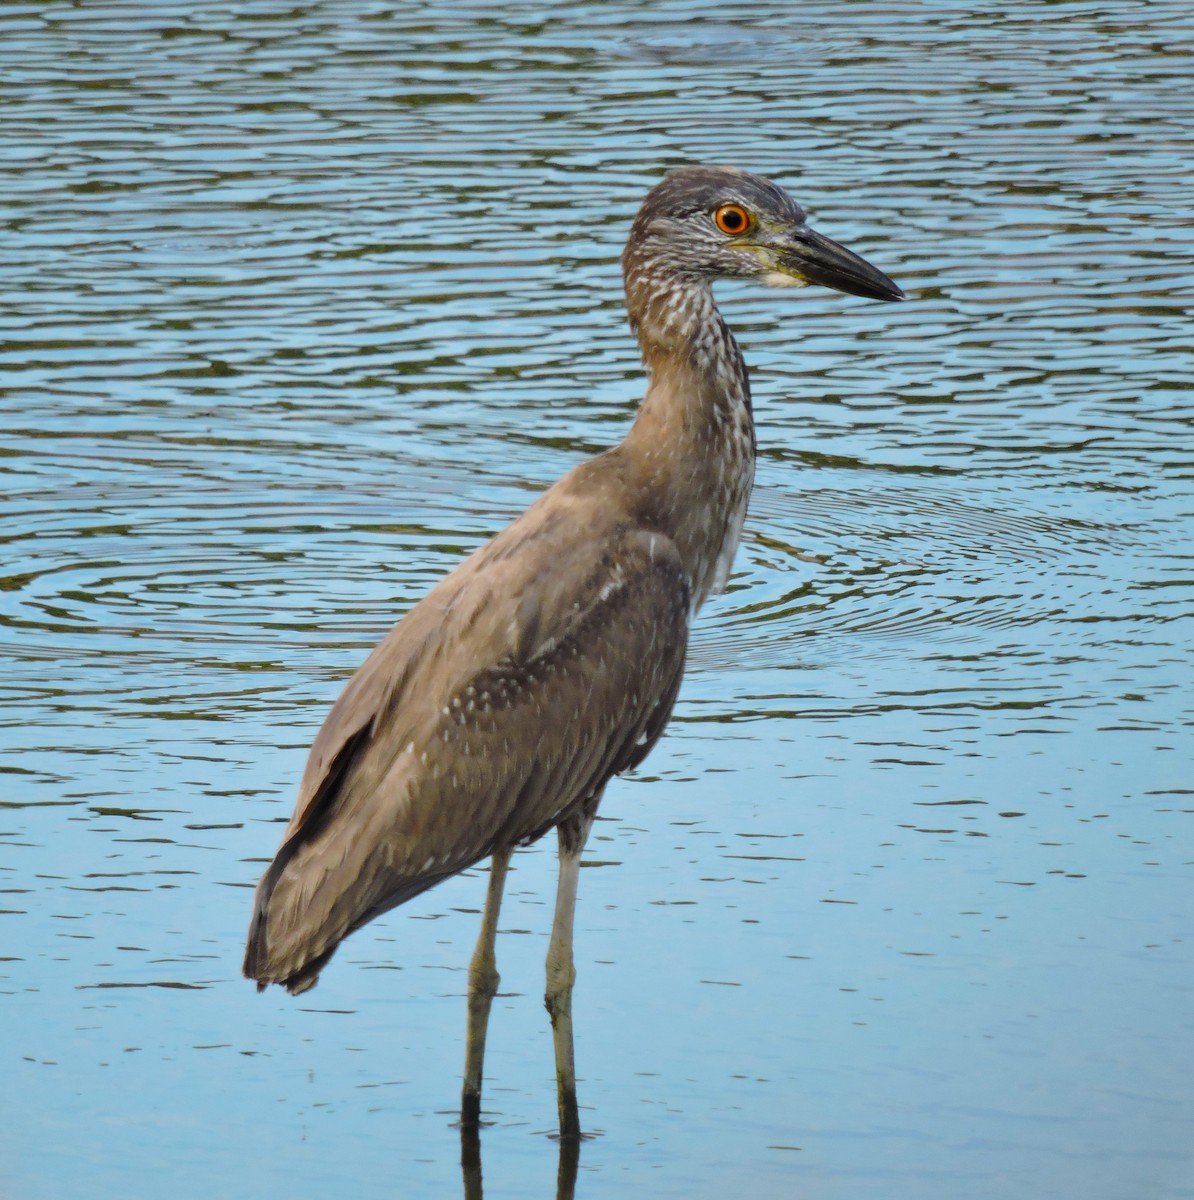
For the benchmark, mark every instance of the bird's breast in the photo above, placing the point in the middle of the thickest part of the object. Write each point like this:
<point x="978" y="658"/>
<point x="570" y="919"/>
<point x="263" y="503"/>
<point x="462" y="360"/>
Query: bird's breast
<point x="714" y="520"/>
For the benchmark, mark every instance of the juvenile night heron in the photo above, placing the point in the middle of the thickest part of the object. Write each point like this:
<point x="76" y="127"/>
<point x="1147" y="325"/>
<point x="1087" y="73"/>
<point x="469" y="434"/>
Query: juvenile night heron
<point x="546" y="663"/>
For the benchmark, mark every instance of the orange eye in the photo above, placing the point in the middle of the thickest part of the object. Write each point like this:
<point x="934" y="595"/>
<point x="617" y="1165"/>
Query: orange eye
<point x="732" y="219"/>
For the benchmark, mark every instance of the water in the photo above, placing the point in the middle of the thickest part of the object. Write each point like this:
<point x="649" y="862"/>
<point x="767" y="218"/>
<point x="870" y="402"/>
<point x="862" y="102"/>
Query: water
<point x="302" y="303"/>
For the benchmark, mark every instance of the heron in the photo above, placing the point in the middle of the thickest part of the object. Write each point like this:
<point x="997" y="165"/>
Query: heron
<point x="547" y="662"/>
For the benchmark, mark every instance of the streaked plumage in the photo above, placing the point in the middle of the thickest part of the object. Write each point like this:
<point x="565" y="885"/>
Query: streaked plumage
<point x="549" y="661"/>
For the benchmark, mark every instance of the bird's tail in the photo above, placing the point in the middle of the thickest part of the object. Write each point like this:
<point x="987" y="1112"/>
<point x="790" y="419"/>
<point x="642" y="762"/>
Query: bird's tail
<point x="293" y="933"/>
<point x="296" y="982"/>
<point x="296" y="970"/>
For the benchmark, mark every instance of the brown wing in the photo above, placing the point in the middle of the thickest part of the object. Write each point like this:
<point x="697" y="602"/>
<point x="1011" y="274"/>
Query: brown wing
<point x="503" y="701"/>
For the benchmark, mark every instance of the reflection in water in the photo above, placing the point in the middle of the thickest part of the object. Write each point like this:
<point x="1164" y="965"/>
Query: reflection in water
<point x="470" y="1165"/>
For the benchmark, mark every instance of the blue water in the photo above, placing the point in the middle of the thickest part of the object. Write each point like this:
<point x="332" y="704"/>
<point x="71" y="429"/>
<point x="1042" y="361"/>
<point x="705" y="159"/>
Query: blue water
<point x="303" y="303"/>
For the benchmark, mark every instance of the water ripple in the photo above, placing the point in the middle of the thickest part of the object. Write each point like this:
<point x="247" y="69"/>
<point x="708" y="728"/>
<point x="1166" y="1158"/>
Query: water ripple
<point x="865" y="572"/>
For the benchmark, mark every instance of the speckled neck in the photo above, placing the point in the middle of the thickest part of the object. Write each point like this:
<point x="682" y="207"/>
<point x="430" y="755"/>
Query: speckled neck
<point x="693" y="442"/>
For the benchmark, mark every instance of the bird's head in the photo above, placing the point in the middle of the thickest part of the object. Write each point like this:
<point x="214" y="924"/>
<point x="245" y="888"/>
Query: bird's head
<point x="707" y="223"/>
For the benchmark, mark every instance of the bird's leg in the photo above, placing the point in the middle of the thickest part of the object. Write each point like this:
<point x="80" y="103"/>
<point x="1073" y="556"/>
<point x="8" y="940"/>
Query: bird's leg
<point x="483" y="980"/>
<point x="561" y="974"/>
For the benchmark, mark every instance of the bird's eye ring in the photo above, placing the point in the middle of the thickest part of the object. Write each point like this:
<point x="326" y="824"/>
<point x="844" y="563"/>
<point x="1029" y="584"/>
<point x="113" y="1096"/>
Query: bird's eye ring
<point x="732" y="219"/>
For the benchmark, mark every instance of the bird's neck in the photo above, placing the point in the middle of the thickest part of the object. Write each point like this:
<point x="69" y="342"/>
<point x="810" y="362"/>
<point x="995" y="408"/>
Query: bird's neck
<point x="692" y="446"/>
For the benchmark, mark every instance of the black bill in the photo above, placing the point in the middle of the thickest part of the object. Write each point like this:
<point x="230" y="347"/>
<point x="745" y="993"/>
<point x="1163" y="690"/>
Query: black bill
<point x="810" y="255"/>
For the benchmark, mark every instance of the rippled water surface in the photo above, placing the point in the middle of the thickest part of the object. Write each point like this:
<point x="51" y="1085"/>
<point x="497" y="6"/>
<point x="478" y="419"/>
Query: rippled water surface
<point x="301" y="303"/>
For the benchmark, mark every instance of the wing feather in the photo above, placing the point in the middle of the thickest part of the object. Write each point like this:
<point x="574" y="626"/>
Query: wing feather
<point x="502" y="702"/>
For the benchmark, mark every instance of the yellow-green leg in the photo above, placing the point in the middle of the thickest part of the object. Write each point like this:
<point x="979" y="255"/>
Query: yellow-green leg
<point x="483" y="980"/>
<point x="561" y="973"/>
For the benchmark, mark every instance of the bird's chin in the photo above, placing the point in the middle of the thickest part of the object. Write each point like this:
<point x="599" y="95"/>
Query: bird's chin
<point x="783" y="279"/>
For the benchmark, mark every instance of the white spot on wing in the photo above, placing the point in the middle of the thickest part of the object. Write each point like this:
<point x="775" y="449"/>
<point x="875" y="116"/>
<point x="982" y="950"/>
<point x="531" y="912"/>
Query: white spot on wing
<point x="544" y="648"/>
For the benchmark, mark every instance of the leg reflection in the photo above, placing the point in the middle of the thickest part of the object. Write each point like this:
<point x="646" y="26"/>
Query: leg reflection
<point x="470" y="1161"/>
<point x="470" y="1165"/>
<point x="569" y="1162"/>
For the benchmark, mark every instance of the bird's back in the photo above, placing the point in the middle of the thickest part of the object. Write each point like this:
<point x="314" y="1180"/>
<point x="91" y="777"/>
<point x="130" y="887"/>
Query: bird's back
<point x="506" y="698"/>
